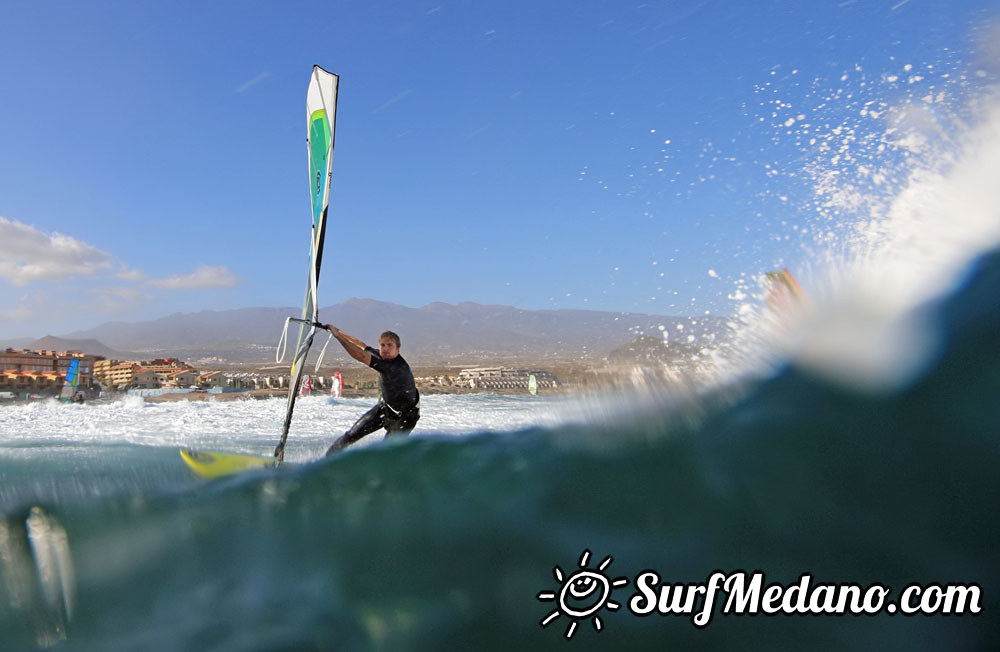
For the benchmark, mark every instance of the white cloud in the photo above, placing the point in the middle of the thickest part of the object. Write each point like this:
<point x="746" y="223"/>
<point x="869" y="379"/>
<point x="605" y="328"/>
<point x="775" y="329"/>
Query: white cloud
<point x="122" y="294"/>
<point x="113" y="300"/>
<point x="126" y="273"/>
<point x="203" y="278"/>
<point x="27" y="306"/>
<point x="27" y="254"/>
<point x="253" y="82"/>
<point x="126" y="294"/>
<point x="16" y="314"/>
<point x="57" y="309"/>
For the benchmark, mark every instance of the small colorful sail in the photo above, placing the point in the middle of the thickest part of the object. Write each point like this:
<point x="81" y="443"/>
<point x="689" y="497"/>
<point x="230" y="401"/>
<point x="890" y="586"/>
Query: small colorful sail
<point x="337" y="385"/>
<point x="72" y="379"/>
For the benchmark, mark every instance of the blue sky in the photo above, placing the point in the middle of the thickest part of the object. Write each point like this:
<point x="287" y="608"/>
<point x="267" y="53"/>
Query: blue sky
<point x="602" y="155"/>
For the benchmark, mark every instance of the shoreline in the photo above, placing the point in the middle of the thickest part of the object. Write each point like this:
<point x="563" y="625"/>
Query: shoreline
<point x="262" y="394"/>
<point x="574" y="377"/>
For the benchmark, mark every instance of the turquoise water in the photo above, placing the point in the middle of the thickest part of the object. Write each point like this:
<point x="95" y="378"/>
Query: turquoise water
<point x="443" y="541"/>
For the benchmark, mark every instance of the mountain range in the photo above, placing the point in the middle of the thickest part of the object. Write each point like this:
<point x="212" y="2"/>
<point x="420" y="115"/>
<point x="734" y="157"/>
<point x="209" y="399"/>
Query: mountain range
<point x="435" y="332"/>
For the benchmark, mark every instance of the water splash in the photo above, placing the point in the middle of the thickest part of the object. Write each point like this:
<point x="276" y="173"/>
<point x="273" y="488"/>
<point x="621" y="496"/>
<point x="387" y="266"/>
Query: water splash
<point x="886" y="185"/>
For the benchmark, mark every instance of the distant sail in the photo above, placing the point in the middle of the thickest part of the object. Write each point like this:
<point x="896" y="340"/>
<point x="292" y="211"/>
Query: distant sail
<point x="337" y="385"/>
<point x="307" y="386"/>
<point x="72" y="379"/>
<point x="532" y="384"/>
<point x="321" y="115"/>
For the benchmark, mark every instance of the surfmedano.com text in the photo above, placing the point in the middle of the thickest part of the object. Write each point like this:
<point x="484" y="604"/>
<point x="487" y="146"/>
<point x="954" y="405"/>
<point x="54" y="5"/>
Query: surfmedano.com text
<point x="746" y="593"/>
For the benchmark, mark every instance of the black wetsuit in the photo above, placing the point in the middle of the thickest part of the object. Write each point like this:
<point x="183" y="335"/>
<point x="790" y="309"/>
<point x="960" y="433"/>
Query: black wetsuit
<point x="398" y="408"/>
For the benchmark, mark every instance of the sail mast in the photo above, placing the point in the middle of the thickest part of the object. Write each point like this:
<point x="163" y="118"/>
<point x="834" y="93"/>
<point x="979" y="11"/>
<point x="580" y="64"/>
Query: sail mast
<point x="321" y="115"/>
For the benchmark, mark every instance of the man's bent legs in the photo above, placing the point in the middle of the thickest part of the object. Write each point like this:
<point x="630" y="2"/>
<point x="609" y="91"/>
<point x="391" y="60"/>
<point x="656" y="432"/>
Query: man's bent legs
<point x="369" y="422"/>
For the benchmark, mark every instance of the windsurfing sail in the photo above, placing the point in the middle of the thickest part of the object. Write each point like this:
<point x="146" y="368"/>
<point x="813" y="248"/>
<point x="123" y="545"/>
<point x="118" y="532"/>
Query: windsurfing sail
<point x="72" y="379"/>
<point x="321" y="117"/>
<point x="337" y="384"/>
<point x="307" y="386"/>
<point x="532" y="384"/>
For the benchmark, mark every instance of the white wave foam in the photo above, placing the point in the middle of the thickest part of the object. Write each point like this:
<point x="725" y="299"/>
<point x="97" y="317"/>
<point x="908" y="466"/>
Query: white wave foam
<point x="254" y="426"/>
<point x="902" y="195"/>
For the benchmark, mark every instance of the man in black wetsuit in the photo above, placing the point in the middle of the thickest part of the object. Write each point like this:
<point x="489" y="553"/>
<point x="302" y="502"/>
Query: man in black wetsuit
<point x="398" y="408"/>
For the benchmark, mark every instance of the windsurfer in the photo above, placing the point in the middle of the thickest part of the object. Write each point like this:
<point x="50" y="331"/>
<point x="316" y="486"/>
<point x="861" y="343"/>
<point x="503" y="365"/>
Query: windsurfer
<point x="398" y="408"/>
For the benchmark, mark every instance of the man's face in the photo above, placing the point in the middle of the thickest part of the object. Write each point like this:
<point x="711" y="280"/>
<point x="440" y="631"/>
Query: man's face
<point x="387" y="349"/>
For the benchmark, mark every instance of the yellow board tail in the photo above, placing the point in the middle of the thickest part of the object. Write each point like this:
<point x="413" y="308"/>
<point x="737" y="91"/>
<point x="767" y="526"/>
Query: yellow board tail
<point x="217" y="465"/>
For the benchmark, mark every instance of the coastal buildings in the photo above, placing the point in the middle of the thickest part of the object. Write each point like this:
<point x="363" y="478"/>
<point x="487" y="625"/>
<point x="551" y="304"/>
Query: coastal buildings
<point x="112" y="373"/>
<point x="25" y="372"/>
<point x="500" y="378"/>
<point x="23" y="383"/>
<point x="145" y="374"/>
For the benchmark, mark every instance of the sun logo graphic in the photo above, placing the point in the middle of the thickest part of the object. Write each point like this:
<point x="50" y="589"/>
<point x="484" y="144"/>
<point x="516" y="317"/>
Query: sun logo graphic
<point x="582" y="594"/>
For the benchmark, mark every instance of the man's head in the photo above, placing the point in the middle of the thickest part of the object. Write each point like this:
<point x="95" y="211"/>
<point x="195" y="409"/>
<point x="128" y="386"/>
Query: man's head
<point x="388" y="345"/>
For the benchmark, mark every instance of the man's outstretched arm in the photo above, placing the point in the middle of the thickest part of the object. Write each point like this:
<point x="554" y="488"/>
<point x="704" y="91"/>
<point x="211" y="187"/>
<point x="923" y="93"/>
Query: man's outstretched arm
<point x="354" y="347"/>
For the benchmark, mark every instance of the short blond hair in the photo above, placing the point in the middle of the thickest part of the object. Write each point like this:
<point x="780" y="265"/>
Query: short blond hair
<point x="389" y="335"/>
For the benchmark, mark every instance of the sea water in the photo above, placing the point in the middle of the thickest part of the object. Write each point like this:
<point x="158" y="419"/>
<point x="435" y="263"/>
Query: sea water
<point x="445" y="540"/>
<point x="852" y="442"/>
<point x="61" y="455"/>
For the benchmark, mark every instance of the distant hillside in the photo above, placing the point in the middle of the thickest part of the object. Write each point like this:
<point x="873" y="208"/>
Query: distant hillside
<point x="437" y="331"/>
<point x="19" y="343"/>
<point x="646" y="349"/>
<point x="91" y="346"/>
